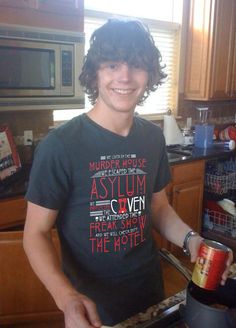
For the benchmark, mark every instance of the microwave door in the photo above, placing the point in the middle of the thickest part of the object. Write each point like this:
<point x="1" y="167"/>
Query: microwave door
<point x="29" y="69"/>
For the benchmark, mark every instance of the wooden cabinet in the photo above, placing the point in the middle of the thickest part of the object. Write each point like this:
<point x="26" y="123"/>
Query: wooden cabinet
<point x="23" y="297"/>
<point x="66" y="7"/>
<point x="12" y="212"/>
<point x="52" y="14"/>
<point x="185" y="194"/>
<point x="18" y="3"/>
<point x="211" y="63"/>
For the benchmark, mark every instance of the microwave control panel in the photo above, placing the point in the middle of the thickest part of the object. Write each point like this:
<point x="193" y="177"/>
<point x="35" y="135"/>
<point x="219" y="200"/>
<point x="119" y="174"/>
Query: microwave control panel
<point x="66" y="64"/>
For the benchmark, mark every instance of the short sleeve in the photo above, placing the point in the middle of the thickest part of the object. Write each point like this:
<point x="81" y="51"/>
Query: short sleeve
<point x="49" y="182"/>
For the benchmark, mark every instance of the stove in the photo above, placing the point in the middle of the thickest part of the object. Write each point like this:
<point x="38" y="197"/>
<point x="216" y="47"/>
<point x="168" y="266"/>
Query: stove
<point x="181" y="149"/>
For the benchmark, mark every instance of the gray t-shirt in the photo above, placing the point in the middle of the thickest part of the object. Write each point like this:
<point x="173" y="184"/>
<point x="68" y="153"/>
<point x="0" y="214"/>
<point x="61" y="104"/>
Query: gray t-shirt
<point x="102" y="184"/>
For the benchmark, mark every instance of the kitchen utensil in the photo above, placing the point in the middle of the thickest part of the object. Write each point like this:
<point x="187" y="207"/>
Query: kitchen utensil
<point x="215" y="309"/>
<point x="188" y="137"/>
<point x="204" y="132"/>
<point x="200" y="309"/>
<point x="203" y="114"/>
<point x="203" y="135"/>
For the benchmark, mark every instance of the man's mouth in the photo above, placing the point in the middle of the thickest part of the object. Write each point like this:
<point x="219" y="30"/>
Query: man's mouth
<point x="123" y="91"/>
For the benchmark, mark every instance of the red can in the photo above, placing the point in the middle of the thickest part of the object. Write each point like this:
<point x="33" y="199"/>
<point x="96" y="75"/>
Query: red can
<point x="210" y="264"/>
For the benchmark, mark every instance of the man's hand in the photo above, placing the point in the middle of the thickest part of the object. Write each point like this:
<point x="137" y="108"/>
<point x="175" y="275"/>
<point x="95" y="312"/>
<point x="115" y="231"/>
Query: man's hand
<point x="80" y="312"/>
<point x="194" y="244"/>
<point x="228" y="264"/>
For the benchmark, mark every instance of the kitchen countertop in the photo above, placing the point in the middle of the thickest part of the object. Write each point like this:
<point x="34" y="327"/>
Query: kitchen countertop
<point x="179" y="154"/>
<point x="154" y="314"/>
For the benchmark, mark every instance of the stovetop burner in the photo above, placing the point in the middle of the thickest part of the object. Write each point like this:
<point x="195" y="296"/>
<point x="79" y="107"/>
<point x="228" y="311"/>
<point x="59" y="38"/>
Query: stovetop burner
<point x="181" y="149"/>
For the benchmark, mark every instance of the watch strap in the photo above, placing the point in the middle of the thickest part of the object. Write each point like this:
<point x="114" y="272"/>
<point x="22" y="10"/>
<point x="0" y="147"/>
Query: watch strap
<point x="189" y="235"/>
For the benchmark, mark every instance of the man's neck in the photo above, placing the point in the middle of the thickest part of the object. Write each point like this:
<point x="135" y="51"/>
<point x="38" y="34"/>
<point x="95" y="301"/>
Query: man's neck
<point x="116" y="122"/>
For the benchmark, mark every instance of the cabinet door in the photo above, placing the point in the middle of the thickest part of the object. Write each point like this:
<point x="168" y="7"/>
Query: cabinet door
<point x="233" y="78"/>
<point x="210" y="68"/>
<point x="12" y="212"/>
<point x="51" y="14"/>
<point x="23" y="297"/>
<point x="198" y="49"/>
<point x="73" y="7"/>
<point x="18" y="3"/>
<point x="223" y="45"/>
<point x="160" y="241"/>
<point x="187" y="202"/>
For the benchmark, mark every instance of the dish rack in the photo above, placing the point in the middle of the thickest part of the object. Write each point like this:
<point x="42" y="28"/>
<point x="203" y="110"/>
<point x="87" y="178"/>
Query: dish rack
<point x="220" y="222"/>
<point x="220" y="183"/>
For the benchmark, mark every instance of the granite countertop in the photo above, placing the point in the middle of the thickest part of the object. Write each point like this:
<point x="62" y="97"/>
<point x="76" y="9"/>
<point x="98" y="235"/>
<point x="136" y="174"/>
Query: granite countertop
<point x="154" y="313"/>
<point x="179" y="154"/>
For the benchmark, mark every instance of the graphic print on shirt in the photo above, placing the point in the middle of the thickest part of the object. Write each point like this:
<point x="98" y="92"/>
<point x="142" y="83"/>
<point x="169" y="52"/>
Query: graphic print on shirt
<point x="117" y="203"/>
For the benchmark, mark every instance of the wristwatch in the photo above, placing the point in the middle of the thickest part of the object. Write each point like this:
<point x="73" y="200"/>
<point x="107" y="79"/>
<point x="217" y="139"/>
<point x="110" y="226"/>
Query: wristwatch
<point x="189" y="235"/>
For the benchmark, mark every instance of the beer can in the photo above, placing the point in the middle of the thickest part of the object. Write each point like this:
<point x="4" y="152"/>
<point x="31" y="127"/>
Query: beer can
<point x="210" y="264"/>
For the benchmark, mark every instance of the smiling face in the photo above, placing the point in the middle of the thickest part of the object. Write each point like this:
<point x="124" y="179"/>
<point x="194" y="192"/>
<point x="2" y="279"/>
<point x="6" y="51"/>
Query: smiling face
<point x="121" y="41"/>
<point x="120" y="86"/>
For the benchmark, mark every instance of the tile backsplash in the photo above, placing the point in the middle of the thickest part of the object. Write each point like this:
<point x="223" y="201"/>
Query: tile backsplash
<point x="19" y="121"/>
<point x="221" y="112"/>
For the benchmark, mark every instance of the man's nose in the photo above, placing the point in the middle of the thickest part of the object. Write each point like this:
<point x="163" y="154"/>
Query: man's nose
<point x="125" y="72"/>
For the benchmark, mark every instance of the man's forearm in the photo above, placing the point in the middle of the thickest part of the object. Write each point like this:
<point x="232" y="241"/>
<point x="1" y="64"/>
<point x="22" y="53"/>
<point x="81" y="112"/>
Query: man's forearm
<point x="45" y="262"/>
<point x="170" y="225"/>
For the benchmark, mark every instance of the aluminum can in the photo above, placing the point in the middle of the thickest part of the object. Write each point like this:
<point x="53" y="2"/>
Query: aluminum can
<point x="210" y="264"/>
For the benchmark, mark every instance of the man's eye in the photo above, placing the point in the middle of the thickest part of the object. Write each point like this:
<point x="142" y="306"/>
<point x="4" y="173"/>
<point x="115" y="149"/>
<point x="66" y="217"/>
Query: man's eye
<point x="137" y="66"/>
<point x="113" y="66"/>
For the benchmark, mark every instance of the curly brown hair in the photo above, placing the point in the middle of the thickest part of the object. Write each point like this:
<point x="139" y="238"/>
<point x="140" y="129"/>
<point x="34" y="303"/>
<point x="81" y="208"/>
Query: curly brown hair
<point x="127" y="41"/>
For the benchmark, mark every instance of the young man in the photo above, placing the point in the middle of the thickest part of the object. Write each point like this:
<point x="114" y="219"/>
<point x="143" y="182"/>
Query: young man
<point x="101" y="179"/>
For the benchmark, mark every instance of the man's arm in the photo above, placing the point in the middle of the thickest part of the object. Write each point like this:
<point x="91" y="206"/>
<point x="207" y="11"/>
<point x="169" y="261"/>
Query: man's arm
<point x="167" y="222"/>
<point x="79" y="310"/>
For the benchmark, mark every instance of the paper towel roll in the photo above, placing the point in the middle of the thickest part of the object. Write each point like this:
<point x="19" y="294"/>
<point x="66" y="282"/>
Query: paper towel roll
<point x="171" y="131"/>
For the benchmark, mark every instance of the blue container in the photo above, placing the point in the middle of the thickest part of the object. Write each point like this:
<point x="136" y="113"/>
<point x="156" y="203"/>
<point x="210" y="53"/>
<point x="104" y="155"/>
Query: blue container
<point x="203" y="135"/>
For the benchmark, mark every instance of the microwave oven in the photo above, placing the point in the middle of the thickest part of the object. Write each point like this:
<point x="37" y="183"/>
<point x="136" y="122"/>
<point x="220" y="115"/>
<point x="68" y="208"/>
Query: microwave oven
<point x="40" y="68"/>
